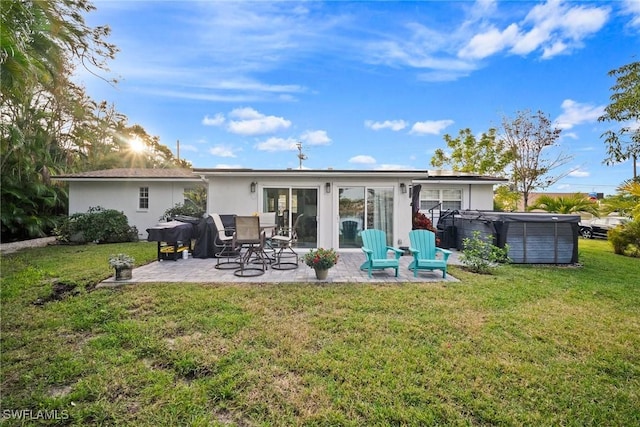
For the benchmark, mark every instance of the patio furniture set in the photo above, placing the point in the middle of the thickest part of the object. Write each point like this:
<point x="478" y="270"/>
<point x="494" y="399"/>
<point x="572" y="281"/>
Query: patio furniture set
<point x="254" y="243"/>
<point x="423" y="248"/>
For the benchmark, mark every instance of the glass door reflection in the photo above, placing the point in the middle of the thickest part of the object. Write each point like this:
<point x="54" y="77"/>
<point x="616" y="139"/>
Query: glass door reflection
<point x="296" y="212"/>
<point x="351" y="208"/>
<point x="361" y="208"/>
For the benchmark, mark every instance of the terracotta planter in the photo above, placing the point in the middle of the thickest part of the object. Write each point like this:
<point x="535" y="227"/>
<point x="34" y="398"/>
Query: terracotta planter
<point x="321" y="274"/>
<point x="123" y="273"/>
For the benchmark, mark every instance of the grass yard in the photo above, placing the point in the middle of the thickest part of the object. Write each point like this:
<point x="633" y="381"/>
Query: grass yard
<point x="531" y="345"/>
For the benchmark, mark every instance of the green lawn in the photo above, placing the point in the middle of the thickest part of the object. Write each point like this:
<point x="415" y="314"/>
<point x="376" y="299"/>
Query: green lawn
<point x="531" y="345"/>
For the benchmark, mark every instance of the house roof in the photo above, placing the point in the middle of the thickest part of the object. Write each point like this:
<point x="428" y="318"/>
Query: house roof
<point x="128" y="174"/>
<point x="309" y="173"/>
<point x="417" y="176"/>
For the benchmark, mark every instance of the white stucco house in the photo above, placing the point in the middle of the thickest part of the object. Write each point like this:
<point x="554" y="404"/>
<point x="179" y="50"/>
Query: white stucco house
<point x="331" y="207"/>
<point x="143" y="195"/>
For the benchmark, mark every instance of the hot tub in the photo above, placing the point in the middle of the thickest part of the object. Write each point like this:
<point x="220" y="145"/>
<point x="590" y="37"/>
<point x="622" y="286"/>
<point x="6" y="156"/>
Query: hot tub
<point x="533" y="238"/>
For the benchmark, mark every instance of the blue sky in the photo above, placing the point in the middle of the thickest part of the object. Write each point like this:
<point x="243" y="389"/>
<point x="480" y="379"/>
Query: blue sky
<point x="364" y="85"/>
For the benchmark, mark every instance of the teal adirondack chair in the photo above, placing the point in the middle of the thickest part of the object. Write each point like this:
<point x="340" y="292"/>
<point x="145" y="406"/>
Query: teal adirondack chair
<point x="424" y="250"/>
<point x="374" y="245"/>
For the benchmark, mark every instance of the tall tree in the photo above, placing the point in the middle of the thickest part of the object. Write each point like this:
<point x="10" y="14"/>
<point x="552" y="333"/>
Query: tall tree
<point x="505" y="199"/>
<point x="40" y="43"/>
<point x="48" y="124"/>
<point x="624" y="143"/>
<point x="531" y="137"/>
<point x="42" y="40"/>
<point x="485" y="156"/>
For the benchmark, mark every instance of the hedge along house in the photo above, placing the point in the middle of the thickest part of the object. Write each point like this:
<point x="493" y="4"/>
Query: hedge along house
<point x="331" y="207"/>
<point x="143" y="195"/>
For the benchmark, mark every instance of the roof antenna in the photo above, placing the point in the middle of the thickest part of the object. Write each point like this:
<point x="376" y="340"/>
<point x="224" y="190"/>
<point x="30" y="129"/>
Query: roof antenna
<point x="301" y="156"/>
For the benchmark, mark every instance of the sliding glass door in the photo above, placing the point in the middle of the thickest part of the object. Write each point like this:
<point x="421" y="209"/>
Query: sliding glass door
<point x="361" y="208"/>
<point x="296" y="210"/>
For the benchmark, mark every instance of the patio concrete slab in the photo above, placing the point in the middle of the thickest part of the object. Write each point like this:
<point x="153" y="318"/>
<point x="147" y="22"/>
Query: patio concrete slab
<point x="347" y="270"/>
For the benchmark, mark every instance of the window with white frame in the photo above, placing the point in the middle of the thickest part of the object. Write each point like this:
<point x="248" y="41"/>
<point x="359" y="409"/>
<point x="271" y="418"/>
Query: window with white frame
<point x="143" y="198"/>
<point x="440" y="199"/>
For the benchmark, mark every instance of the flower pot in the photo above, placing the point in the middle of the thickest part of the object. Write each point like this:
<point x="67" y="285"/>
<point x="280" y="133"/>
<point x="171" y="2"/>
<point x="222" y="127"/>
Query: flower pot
<point x="123" y="273"/>
<point x="321" y="274"/>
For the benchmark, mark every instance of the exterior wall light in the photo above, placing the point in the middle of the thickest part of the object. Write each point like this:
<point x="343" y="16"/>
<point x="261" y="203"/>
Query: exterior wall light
<point x="403" y="187"/>
<point x="327" y="187"/>
<point x="253" y="187"/>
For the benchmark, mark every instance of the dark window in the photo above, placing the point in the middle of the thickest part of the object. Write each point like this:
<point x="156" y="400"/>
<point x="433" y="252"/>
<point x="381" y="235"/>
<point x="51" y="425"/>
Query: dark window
<point x="143" y="201"/>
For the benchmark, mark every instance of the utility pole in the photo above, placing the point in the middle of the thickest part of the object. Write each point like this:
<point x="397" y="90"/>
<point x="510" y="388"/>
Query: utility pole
<point x="178" y="149"/>
<point x="301" y="156"/>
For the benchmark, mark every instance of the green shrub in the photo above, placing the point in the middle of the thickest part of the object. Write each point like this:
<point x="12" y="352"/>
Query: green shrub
<point x="625" y="239"/>
<point x="97" y="225"/>
<point x="188" y="209"/>
<point x="482" y="256"/>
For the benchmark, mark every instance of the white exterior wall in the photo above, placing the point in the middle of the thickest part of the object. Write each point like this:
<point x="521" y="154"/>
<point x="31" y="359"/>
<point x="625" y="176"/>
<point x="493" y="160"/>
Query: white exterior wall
<point x="232" y="195"/>
<point x="124" y="196"/>
<point x="480" y="197"/>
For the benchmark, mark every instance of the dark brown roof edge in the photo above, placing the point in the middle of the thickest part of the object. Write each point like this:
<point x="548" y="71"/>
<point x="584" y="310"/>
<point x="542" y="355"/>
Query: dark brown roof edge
<point x="131" y="173"/>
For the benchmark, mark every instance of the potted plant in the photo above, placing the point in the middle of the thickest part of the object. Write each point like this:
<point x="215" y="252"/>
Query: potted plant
<point x="321" y="260"/>
<point x="123" y="265"/>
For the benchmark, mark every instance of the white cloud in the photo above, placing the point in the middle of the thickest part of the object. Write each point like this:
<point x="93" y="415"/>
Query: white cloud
<point x="222" y="151"/>
<point x="200" y="96"/>
<point x="528" y="42"/>
<point x="557" y="27"/>
<point x="245" y="84"/>
<point x="419" y="51"/>
<point x="252" y="122"/>
<point x="575" y="113"/>
<point x="277" y="144"/>
<point x="216" y="120"/>
<point x="579" y="173"/>
<point x="245" y="113"/>
<point x="555" y="49"/>
<point x="316" y="137"/>
<point x="488" y="43"/>
<point x="433" y="127"/>
<point x="363" y="160"/>
<point x="632" y="7"/>
<point x="553" y="28"/>
<point x="580" y="21"/>
<point x="394" y="125"/>
<point x="571" y="135"/>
